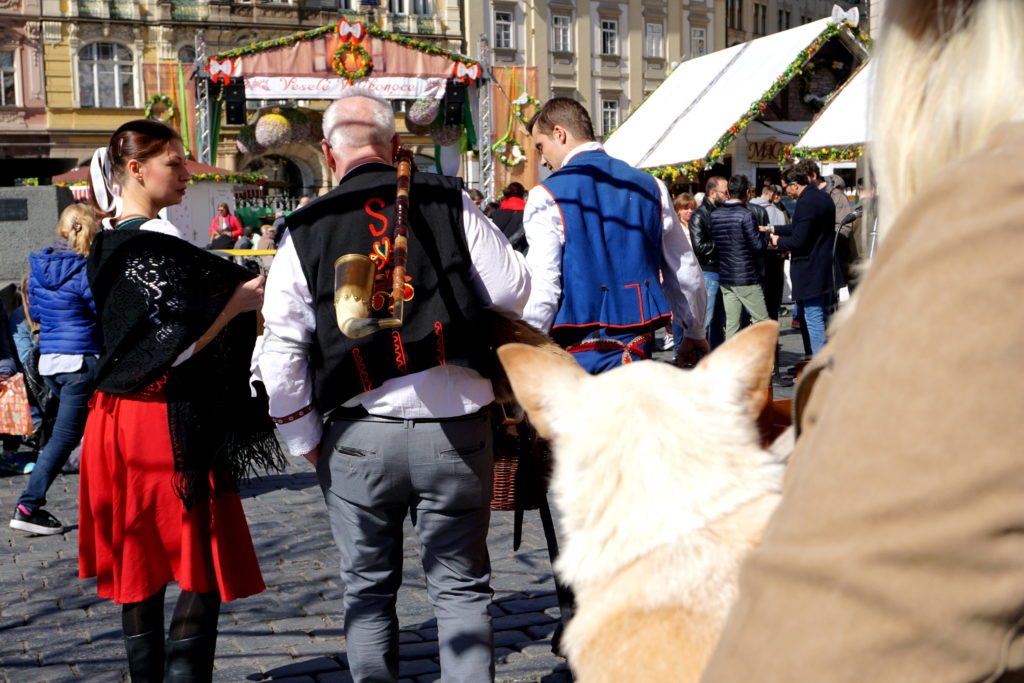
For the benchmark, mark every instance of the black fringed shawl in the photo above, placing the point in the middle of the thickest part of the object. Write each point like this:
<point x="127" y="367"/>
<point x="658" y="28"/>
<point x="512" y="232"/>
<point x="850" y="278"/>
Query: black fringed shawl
<point x="156" y="295"/>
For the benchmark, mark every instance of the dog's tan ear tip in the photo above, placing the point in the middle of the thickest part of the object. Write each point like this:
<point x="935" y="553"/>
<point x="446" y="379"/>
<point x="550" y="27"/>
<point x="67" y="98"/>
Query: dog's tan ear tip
<point x="766" y="331"/>
<point x="513" y="354"/>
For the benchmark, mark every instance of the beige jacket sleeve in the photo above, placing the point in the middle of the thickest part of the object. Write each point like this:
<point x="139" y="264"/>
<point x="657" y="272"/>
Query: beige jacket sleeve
<point x="897" y="553"/>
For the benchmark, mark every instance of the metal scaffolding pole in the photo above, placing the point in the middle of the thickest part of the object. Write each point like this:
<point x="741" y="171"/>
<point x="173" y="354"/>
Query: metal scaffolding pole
<point x="484" y="138"/>
<point x="203" y="122"/>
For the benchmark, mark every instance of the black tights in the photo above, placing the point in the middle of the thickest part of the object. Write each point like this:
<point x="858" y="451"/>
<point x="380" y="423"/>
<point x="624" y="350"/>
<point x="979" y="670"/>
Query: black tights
<point x="194" y="615"/>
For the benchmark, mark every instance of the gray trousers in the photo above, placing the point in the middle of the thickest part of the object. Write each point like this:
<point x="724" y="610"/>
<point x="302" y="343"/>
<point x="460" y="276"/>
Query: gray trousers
<point x="373" y="472"/>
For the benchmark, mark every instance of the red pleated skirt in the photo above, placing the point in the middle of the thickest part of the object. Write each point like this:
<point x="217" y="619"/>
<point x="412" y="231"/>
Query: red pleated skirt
<point x="135" y="534"/>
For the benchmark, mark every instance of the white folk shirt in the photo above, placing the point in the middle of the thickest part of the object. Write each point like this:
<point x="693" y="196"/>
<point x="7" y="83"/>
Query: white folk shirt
<point x="498" y="275"/>
<point x="682" y="278"/>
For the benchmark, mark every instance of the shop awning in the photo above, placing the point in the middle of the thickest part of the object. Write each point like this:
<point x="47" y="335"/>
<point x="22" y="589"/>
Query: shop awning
<point x="844" y="120"/>
<point x="705" y="101"/>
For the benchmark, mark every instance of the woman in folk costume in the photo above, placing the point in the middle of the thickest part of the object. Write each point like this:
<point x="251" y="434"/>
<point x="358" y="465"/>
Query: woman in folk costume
<point x="172" y="425"/>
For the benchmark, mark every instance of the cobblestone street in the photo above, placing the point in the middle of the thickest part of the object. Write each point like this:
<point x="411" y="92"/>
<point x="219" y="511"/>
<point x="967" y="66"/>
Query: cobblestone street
<point x="54" y="628"/>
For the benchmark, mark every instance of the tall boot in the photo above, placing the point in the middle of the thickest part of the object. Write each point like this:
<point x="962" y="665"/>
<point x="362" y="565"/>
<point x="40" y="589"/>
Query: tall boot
<point x="191" y="660"/>
<point x="145" y="657"/>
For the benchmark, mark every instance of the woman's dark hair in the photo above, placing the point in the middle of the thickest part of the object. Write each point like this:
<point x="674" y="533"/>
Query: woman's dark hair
<point x="513" y="189"/>
<point x="141" y="140"/>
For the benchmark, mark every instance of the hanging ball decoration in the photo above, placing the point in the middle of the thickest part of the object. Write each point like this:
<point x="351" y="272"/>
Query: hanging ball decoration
<point x="246" y="143"/>
<point x="423" y="112"/>
<point x="446" y="135"/>
<point x="418" y="129"/>
<point x="273" y="130"/>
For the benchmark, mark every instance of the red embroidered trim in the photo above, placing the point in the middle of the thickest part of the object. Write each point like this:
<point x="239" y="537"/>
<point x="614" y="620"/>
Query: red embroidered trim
<point x="439" y="331"/>
<point x="633" y="348"/>
<point x="399" y="352"/>
<point x="302" y="412"/>
<point x="364" y="376"/>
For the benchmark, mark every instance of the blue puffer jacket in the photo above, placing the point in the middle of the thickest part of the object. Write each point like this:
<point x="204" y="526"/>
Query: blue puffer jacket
<point x="62" y="303"/>
<point x="739" y="243"/>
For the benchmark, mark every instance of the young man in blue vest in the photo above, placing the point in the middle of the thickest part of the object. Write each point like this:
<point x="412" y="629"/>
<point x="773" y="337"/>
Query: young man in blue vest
<point x="608" y="258"/>
<point x="393" y="421"/>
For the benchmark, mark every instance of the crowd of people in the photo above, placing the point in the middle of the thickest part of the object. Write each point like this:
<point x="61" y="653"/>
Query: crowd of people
<point x="910" y="571"/>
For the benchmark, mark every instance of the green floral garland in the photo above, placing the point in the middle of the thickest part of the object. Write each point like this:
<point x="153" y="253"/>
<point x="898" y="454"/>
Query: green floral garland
<point x="370" y="29"/>
<point x="236" y="178"/>
<point x="525" y="100"/>
<point x="757" y="108"/>
<point x="825" y="154"/>
<point x="161" y="99"/>
<point x="511" y="153"/>
<point x="346" y="48"/>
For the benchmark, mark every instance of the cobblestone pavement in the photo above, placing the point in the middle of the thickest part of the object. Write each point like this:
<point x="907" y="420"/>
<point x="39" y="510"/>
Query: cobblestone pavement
<point x="54" y="628"/>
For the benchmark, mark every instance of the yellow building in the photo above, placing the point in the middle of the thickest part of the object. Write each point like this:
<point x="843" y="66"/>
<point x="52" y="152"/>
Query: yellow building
<point x="104" y="59"/>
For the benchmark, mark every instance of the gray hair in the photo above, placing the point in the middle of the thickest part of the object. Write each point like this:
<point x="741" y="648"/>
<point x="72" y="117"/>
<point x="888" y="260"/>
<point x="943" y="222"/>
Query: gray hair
<point x="379" y="129"/>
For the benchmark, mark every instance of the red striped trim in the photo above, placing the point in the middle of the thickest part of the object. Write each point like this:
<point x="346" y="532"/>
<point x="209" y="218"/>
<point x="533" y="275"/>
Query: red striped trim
<point x="439" y="331"/>
<point x="629" y="349"/>
<point x="298" y="414"/>
<point x="663" y="316"/>
<point x="400" y="361"/>
<point x="364" y="377"/>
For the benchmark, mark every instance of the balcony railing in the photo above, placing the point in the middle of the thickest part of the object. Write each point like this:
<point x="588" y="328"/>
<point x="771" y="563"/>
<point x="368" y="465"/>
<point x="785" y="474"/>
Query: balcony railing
<point x="190" y="10"/>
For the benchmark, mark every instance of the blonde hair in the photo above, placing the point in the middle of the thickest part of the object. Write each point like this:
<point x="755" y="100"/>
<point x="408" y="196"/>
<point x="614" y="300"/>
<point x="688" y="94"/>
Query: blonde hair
<point x="78" y="226"/>
<point x="949" y="73"/>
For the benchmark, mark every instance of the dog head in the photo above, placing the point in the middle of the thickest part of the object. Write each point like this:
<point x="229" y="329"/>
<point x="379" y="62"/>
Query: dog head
<point x="647" y="452"/>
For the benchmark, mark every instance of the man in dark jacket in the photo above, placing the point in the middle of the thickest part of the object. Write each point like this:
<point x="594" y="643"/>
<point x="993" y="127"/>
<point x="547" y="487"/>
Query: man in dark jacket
<point x="739" y="243"/>
<point x="810" y="238"/>
<point x="715" y="194"/>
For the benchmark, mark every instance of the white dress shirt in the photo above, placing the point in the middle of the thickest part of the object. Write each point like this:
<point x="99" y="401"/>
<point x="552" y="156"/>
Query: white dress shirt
<point x="499" y="277"/>
<point x="682" y="278"/>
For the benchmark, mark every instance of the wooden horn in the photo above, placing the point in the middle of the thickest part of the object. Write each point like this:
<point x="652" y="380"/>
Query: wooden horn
<point x="354" y="273"/>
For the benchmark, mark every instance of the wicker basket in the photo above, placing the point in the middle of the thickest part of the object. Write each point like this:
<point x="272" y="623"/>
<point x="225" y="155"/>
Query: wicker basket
<point x="522" y="468"/>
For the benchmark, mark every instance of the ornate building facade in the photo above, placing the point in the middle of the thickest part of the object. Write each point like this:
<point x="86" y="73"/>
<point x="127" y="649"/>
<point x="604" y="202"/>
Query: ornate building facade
<point x="105" y="59"/>
<point x="22" y="98"/>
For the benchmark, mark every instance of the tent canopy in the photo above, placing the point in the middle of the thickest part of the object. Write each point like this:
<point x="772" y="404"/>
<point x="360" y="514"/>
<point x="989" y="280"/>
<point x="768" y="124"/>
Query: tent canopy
<point x="844" y="120"/>
<point x="703" y="98"/>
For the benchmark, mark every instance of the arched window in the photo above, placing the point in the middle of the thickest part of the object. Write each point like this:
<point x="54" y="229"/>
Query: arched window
<point x="105" y="76"/>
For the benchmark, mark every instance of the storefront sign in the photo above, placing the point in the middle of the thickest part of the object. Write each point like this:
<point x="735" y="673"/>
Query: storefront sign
<point x="765" y="151"/>
<point x="312" y="88"/>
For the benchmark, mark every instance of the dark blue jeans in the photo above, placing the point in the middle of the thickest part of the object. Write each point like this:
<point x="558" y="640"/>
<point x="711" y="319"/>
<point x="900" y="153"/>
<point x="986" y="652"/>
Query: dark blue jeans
<point x="73" y="390"/>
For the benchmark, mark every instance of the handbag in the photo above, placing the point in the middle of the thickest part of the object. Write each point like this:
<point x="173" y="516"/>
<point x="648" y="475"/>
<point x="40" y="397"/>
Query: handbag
<point x="15" y="415"/>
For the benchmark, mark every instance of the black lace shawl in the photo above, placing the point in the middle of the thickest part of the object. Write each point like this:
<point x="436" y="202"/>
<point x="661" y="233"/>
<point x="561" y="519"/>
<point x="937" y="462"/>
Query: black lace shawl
<point x="156" y="295"/>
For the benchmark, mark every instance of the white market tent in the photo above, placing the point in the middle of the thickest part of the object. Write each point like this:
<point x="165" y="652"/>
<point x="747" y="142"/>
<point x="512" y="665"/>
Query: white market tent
<point x="702" y="98"/>
<point x="844" y="120"/>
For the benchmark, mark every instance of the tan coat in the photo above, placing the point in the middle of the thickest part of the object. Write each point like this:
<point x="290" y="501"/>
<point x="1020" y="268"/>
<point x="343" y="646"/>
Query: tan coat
<point x="897" y="553"/>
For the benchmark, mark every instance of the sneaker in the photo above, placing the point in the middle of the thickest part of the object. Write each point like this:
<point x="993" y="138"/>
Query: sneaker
<point x="668" y="344"/>
<point x="12" y="463"/>
<point x="38" y="522"/>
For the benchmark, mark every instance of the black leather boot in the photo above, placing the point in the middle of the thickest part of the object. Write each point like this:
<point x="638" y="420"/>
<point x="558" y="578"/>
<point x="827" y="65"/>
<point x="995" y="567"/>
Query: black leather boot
<point x="145" y="657"/>
<point x="191" y="660"/>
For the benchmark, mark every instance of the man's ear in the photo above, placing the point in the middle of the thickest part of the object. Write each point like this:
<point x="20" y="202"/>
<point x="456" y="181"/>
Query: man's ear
<point x="325" y="147"/>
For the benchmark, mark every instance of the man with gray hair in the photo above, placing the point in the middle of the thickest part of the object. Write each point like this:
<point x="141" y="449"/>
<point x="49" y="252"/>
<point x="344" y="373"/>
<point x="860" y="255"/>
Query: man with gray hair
<point x="394" y="421"/>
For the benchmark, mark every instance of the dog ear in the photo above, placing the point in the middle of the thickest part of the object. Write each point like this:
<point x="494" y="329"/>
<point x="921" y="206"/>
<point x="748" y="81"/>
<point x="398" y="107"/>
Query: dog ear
<point x="540" y="380"/>
<point x="748" y="358"/>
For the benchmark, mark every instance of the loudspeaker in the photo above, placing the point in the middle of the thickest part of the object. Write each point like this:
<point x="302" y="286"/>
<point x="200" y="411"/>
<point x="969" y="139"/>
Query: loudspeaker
<point x="454" y="103"/>
<point x="234" y="104"/>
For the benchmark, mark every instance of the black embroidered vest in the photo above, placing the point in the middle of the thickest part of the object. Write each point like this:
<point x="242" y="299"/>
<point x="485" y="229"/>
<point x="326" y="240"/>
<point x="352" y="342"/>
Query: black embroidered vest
<point x="441" y="308"/>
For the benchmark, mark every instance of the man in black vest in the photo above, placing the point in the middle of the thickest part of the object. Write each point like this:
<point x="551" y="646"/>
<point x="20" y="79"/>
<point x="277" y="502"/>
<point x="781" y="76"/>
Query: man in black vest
<point x="393" y="421"/>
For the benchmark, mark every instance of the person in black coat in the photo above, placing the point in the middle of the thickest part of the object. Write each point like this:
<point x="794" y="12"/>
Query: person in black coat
<point x="809" y="239"/>
<point x="739" y="243"/>
<point x="716" y="192"/>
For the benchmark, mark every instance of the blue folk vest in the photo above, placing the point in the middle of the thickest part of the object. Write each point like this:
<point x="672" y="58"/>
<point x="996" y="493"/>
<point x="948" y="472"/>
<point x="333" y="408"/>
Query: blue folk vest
<point x="611" y="259"/>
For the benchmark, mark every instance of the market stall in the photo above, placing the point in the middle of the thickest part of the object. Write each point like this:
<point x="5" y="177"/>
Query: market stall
<point x="323" y="63"/>
<point x="838" y="134"/>
<point x="737" y="110"/>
